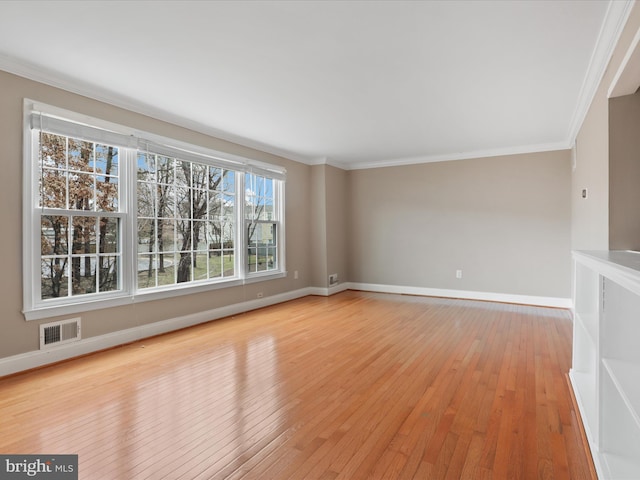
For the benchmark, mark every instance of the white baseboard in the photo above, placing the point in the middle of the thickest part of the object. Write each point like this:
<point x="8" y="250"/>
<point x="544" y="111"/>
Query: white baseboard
<point x="326" y="292"/>
<point x="556" y="302"/>
<point x="39" y="358"/>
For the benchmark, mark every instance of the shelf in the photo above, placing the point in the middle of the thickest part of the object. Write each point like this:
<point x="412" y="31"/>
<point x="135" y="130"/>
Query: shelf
<point x="605" y="373"/>
<point x="624" y="376"/>
<point x="620" y="467"/>
<point x="619" y="431"/>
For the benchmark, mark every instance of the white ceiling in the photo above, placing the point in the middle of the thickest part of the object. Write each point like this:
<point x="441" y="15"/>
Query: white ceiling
<point x="352" y="83"/>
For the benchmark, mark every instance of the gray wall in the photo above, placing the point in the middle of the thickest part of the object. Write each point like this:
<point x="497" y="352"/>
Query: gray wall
<point x="504" y="221"/>
<point x="338" y="214"/>
<point x="318" y="243"/>
<point x="624" y="173"/>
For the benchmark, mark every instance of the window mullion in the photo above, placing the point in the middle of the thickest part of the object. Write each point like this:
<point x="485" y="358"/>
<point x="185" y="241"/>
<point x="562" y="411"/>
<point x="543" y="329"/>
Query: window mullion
<point x="240" y="258"/>
<point x="128" y="233"/>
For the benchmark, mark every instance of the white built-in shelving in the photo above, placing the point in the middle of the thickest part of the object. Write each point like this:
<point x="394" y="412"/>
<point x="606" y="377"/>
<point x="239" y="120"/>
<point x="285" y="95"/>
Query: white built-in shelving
<point x="605" y="374"/>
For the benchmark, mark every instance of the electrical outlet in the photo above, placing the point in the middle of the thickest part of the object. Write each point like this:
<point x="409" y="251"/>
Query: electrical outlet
<point x="458" y="273"/>
<point x="295" y="275"/>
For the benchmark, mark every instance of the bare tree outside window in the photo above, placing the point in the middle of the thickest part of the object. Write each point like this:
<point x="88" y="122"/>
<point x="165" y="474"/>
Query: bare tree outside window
<point x="79" y="253"/>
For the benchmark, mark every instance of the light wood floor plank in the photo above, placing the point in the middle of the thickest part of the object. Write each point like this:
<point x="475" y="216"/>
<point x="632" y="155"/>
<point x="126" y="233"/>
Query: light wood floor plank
<point x="353" y="386"/>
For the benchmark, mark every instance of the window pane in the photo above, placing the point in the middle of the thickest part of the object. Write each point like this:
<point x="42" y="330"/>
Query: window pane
<point x="268" y="187"/>
<point x="53" y="188"/>
<point x="183" y="173"/>
<point x="146" y="199"/>
<point x="229" y="181"/>
<point x="165" y="196"/>
<point x="107" y="194"/>
<point x="147" y="266"/>
<point x="199" y="176"/>
<point x="215" y="205"/>
<point x="108" y="274"/>
<point x="228" y="263"/>
<point x="200" y="266"/>
<point x="262" y="247"/>
<point x="184" y="235"/>
<point x="83" y="274"/>
<point x="53" y="151"/>
<point x="183" y="201"/>
<point x="81" y="191"/>
<point x="200" y="237"/>
<point x="166" y="268"/>
<point x="262" y="259"/>
<point x="83" y="235"/>
<point x="199" y="204"/>
<point x="106" y="160"/>
<point x="55" y="235"/>
<point x="215" y="263"/>
<point x="229" y="208"/>
<point x="266" y="209"/>
<point x="215" y="178"/>
<point x="228" y="235"/>
<point x="252" y="261"/>
<point x="272" y="259"/>
<point x="166" y="236"/>
<point x="165" y="170"/>
<point x="55" y="278"/>
<point x="109" y="235"/>
<point x="214" y="235"/>
<point x="185" y="273"/>
<point x="80" y="155"/>
<point x="146" y="235"/>
<point x="146" y="167"/>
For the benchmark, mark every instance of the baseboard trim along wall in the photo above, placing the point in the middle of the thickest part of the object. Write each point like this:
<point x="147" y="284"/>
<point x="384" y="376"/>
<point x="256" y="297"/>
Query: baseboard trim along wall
<point x="555" y="302"/>
<point x="39" y="358"/>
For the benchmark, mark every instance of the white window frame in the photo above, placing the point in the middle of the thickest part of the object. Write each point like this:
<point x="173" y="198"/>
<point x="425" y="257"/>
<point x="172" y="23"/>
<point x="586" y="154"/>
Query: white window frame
<point x="68" y="123"/>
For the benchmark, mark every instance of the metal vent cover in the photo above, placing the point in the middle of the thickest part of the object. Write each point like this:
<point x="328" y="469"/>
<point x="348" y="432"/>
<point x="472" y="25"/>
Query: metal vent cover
<point x="59" y="333"/>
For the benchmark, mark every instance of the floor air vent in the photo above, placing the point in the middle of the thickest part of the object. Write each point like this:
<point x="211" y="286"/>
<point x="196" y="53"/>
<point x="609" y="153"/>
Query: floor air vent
<point x="59" y="333"/>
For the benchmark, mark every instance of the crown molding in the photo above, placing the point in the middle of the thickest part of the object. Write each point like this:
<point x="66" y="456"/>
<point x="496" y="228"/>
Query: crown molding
<point x="447" y="157"/>
<point x="612" y="26"/>
<point x="627" y="78"/>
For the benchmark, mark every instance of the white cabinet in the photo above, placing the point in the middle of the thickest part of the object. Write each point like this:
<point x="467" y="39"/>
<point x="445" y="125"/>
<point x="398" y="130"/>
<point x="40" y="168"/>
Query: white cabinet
<point x="605" y="374"/>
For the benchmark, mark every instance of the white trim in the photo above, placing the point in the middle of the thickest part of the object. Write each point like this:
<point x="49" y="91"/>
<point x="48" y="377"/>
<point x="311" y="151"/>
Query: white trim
<point x="555" y="302"/>
<point x="447" y="157"/>
<point x="627" y="78"/>
<point x="327" y="292"/>
<point x="612" y="26"/>
<point x="39" y="358"/>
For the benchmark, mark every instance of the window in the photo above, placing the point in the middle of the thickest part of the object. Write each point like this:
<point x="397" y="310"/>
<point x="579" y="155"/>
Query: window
<point x="79" y="217"/>
<point x="262" y="226"/>
<point x="185" y="222"/>
<point x="113" y="215"/>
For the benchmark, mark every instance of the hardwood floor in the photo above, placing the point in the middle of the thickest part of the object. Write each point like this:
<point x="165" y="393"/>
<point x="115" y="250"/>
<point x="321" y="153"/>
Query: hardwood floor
<point x="354" y="386"/>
